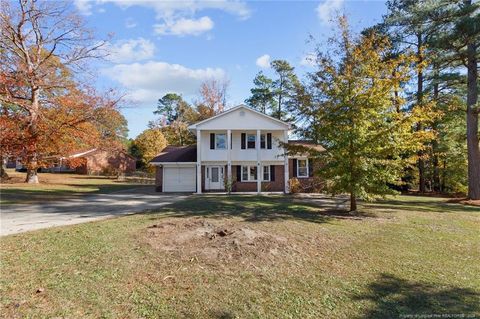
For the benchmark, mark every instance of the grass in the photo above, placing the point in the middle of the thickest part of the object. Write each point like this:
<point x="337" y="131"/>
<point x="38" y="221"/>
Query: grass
<point x="403" y="256"/>
<point x="55" y="187"/>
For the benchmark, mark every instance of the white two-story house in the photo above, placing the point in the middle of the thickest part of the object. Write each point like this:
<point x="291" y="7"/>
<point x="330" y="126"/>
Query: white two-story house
<point x="239" y="147"/>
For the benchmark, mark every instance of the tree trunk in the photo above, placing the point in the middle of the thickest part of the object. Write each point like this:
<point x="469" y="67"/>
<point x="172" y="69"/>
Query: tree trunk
<point x="472" y="125"/>
<point x="353" y="202"/>
<point x="436" y="170"/>
<point x="3" y="172"/>
<point x="421" y="161"/>
<point x="32" y="157"/>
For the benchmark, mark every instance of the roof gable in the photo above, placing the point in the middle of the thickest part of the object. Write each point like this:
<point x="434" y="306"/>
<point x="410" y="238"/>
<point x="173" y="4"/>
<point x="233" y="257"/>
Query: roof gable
<point x="240" y="117"/>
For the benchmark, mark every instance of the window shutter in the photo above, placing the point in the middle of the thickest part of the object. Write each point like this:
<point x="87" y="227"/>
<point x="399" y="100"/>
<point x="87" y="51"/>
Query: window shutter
<point x="272" y="173"/>
<point x="269" y="141"/>
<point x="310" y="167"/>
<point x="212" y="141"/>
<point x="239" y="173"/>
<point x="244" y="140"/>
<point x="294" y="167"/>
<point x="231" y="141"/>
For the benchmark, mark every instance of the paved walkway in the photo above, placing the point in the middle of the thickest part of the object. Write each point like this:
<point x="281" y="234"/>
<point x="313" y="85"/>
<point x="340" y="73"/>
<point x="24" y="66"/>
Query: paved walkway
<point x="25" y="217"/>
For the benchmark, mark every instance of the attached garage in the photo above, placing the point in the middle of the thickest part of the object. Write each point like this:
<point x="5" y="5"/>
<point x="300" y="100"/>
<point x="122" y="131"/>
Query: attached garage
<point x="179" y="179"/>
<point x="176" y="169"/>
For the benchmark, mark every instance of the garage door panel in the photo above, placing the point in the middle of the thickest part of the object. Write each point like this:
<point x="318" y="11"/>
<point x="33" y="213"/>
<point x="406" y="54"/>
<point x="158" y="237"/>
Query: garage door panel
<point x="179" y="179"/>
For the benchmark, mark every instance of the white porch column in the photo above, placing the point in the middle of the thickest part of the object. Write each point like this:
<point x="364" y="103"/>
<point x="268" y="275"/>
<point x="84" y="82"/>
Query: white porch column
<point x="199" y="162"/>
<point x="259" y="164"/>
<point x="285" y="164"/>
<point x="229" y="156"/>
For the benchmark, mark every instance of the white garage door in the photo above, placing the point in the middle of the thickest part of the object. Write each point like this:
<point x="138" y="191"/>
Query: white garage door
<point x="179" y="179"/>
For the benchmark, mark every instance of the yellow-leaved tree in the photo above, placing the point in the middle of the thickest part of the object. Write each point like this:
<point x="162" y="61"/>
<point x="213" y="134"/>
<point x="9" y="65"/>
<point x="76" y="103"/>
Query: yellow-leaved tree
<point x="369" y="140"/>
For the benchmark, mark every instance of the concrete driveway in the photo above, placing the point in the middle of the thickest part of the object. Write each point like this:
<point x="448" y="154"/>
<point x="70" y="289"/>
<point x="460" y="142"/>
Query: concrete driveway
<point x="25" y="217"/>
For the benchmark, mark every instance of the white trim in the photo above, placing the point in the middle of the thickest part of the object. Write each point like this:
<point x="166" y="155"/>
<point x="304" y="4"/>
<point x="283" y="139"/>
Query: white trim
<point x="194" y="126"/>
<point x="172" y="163"/>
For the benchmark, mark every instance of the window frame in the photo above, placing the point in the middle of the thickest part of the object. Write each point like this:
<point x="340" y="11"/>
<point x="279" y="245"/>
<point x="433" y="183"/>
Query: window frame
<point x="225" y="141"/>
<point x="246" y="169"/>
<point x="267" y="167"/>
<point x="306" y="168"/>
<point x="263" y="141"/>
<point x="254" y="141"/>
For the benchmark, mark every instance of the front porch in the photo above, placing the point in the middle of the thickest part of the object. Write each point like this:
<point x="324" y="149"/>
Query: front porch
<point x="242" y="177"/>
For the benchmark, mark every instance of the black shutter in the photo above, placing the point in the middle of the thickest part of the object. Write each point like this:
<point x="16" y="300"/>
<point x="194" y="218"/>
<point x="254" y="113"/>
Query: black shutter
<point x="272" y="173"/>
<point x="239" y="173"/>
<point x="269" y="141"/>
<point x="231" y="141"/>
<point x="310" y="167"/>
<point x="244" y="140"/>
<point x="294" y="164"/>
<point x="212" y="141"/>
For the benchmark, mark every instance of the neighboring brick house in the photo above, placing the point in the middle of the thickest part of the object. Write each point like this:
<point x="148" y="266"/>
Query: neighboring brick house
<point x="100" y="161"/>
<point x="240" y="145"/>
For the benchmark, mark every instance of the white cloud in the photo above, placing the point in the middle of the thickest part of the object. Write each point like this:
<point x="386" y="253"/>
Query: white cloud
<point x="176" y="15"/>
<point x="308" y="59"/>
<point x="327" y="8"/>
<point x="83" y="6"/>
<point x="131" y="50"/>
<point x="170" y="9"/>
<point x="263" y="61"/>
<point x="130" y="23"/>
<point x="149" y="81"/>
<point x="183" y="26"/>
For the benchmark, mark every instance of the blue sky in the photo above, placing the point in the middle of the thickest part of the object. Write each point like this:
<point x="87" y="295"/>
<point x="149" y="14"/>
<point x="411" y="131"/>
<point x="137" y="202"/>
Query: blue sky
<point x="172" y="46"/>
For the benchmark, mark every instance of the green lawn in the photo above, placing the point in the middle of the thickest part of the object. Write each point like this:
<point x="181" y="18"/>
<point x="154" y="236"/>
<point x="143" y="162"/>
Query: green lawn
<point x="55" y="187"/>
<point x="281" y="257"/>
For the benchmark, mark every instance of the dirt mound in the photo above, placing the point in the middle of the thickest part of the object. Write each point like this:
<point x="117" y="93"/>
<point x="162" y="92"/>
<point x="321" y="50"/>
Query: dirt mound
<point x="215" y="241"/>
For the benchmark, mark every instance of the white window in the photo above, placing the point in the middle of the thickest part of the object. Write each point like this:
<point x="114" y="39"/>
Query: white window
<point x="251" y="140"/>
<point x="245" y="173"/>
<point x="249" y="173"/>
<point x="266" y="173"/>
<point x="252" y="175"/>
<point x="302" y="168"/>
<point x="262" y="141"/>
<point x="220" y="141"/>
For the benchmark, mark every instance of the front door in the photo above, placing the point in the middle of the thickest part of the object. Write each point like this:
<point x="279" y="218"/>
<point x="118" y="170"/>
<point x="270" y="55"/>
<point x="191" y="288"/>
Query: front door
<point x="214" y="177"/>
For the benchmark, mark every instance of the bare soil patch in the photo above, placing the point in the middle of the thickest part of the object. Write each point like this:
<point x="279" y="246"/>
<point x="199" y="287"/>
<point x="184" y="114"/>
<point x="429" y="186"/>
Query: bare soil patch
<point x="213" y="241"/>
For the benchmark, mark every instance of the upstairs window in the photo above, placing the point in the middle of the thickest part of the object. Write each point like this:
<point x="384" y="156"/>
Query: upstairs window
<point x="262" y="141"/>
<point x="220" y="141"/>
<point x="251" y="141"/>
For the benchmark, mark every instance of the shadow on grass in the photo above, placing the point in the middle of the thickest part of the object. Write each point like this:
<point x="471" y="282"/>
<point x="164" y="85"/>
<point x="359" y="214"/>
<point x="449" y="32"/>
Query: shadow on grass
<point x="398" y="298"/>
<point x="258" y="209"/>
<point x="422" y="206"/>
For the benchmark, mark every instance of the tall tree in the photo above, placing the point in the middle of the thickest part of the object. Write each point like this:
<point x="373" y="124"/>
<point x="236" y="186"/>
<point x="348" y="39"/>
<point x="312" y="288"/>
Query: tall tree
<point x="364" y="135"/>
<point x="35" y="36"/>
<point x="458" y="23"/>
<point x="213" y="98"/>
<point x="284" y="87"/>
<point x="176" y="114"/>
<point x="409" y="24"/>
<point x="262" y="98"/>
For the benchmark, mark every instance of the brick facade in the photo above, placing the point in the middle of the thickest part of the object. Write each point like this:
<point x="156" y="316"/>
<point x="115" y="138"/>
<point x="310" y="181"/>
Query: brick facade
<point x="278" y="185"/>
<point x="107" y="162"/>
